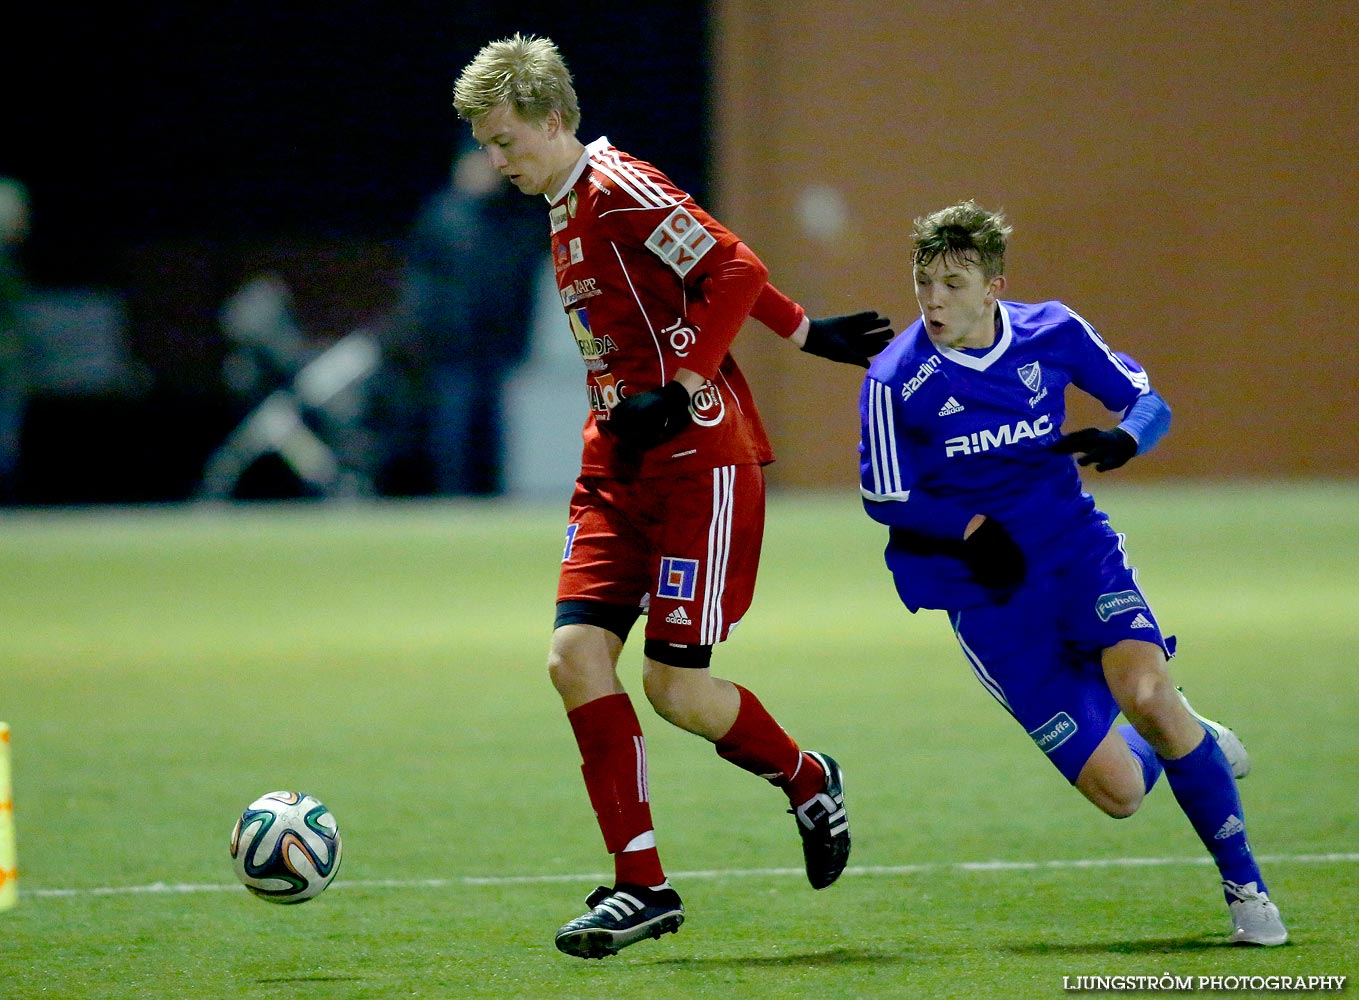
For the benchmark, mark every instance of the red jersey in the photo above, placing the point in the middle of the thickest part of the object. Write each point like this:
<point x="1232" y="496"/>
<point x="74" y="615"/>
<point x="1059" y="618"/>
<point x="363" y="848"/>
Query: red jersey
<point x="634" y="257"/>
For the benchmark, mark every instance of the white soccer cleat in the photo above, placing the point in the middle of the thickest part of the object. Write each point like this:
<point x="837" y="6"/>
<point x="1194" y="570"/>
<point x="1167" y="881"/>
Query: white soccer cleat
<point x="1255" y="920"/>
<point x="1232" y="747"/>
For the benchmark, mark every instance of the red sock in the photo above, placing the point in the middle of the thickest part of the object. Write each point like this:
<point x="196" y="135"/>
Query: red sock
<point x="613" y="754"/>
<point x="758" y="744"/>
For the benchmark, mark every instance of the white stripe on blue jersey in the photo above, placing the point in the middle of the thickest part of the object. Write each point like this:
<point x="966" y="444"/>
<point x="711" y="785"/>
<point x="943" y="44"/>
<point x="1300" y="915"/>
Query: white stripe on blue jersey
<point x="987" y="681"/>
<point x="1137" y="378"/>
<point x="882" y="445"/>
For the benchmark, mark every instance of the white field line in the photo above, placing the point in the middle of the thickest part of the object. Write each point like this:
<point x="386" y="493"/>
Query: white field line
<point x="173" y="888"/>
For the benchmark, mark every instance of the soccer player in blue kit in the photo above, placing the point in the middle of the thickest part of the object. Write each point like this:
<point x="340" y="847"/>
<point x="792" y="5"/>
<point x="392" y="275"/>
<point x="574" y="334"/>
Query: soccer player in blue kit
<point x="963" y="459"/>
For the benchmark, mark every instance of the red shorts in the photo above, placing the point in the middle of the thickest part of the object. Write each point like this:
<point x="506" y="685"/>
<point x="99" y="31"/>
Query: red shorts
<point x="683" y="549"/>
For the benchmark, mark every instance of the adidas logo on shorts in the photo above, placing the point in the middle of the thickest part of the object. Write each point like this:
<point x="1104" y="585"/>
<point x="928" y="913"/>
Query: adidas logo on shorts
<point x="1141" y="621"/>
<point x="678" y="617"/>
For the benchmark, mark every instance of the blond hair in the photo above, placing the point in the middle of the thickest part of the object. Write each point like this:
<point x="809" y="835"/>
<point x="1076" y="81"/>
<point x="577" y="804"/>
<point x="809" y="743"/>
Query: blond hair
<point x="525" y="72"/>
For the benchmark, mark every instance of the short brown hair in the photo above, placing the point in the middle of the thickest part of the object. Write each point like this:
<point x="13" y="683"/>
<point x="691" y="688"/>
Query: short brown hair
<point x="966" y="233"/>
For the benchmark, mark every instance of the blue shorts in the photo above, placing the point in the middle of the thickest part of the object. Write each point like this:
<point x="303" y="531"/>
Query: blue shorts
<point x="1038" y="654"/>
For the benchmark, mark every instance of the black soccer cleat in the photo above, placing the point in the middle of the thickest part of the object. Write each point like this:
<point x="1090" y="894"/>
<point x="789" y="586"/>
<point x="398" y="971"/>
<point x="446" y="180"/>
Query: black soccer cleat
<point x="619" y="917"/>
<point x="824" y="826"/>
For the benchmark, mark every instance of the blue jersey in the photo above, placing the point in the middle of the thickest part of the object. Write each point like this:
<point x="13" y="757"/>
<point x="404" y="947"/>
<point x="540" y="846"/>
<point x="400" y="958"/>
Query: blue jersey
<point x="948" y="434"/>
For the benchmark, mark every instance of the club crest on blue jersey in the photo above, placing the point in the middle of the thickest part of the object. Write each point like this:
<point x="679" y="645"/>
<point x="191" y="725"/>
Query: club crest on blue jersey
<point x="1031" y="375"/>
<point x="679" y="578"/>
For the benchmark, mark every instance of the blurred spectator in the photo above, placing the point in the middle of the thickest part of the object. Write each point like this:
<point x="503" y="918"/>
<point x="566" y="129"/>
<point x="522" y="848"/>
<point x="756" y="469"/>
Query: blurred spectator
<point x="265" y="344"/>
<point x="472" y="261"/>
<point x="15" y="348"/>
<point x="308" y="404"/>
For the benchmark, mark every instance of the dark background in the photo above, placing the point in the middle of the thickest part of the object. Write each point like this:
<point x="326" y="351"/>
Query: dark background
<point x="171" y="151"/>
<point x="1181" y="174"/>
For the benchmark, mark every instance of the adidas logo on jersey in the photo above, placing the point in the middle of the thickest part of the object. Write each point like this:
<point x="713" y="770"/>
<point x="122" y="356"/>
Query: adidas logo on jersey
<point x="1231" y="828"/>
<point x="678" y="617"/>
<point x="1141" y="621"/>
<point x="950" y="408"/>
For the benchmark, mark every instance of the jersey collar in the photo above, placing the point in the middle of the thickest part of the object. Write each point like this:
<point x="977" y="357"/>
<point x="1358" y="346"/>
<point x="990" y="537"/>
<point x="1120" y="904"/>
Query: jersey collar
<point x="601" y="143"/>
<point x="981" y="362"/>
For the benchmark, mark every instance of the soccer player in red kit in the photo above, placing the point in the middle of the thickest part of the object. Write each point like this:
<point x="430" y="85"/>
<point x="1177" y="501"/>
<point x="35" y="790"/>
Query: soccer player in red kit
<point x="668" y="512"/>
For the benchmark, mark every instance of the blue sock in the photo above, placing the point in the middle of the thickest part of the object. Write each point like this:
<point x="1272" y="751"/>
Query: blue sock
<point x="1146" y="756"/>
<point x="1205" y="789"/>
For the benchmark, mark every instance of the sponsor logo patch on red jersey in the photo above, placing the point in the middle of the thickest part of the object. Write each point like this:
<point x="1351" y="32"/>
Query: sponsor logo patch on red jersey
<point x="678" y="579"/>
<point x="680" y="241"/>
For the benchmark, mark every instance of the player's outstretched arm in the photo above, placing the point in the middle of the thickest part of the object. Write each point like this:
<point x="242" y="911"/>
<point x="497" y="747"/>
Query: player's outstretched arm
<point x="1105" y="450"/>
<point x="1144" y="424"/>
<point x="853" y="339"/>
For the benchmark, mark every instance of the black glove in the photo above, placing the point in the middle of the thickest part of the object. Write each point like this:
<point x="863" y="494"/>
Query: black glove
<point x="994" y="559"/>
<point x="850" y="339"/>
<point x="650" y="418"/>
<point x="1105" y="449"/>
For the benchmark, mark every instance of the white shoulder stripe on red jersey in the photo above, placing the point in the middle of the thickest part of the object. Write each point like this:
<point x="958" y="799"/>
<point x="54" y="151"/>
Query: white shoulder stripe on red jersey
<point x="609" y="156"/>
<point x="642" y="189"/>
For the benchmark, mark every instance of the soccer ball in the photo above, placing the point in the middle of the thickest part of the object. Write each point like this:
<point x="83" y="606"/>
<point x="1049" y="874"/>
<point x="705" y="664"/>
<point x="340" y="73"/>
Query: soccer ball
<point x="286" y="847"/>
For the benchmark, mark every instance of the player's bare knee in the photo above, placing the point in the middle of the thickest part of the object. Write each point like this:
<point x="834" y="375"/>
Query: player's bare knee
<point x="1120" y="807"/>
<point x="582" y="658"/>
<point x="1140" y="683"/>
<point x="580" y="670"/>
<point x="1117" y="803"/>
<point x="667" y="696"/>
<point x="1165" y="724"/>
<point x="1120" y="810"/>
<point x="563" y="673"/>
<point x="1146" y="706"/>
<point x="693" y="700"/>
<point x="1112" y="780"/>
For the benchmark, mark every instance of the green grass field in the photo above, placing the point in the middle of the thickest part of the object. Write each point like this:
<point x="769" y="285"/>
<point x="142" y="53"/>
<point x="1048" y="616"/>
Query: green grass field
<point x="162" y="668"/>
